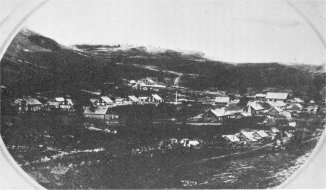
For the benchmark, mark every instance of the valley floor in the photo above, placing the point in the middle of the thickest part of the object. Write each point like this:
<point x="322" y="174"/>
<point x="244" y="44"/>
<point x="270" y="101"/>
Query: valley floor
<point x="89" y="158"/>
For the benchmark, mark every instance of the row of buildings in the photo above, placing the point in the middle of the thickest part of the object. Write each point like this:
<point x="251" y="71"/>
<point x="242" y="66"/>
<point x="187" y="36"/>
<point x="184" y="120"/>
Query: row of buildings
<point x="33" y="104"/>
<point x="271" y="105"/>
<point x="147" y="84"/>
<point x="98" y="108"/>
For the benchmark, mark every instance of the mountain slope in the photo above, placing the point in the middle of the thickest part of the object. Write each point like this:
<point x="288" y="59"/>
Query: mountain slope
<point x="34" y="63"/>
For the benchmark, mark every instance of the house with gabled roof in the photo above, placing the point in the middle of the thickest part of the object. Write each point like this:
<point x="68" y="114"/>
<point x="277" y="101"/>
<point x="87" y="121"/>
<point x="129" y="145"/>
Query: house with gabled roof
<point x="260" y="134"/>
<point x="134" y="99"/>
<point x="246" y="136"/>
<point x="216" y="115"/>
<point x="294" y="107"/>
<point x="29" y="104"/>
<point x="278" y="112"/>
<point x="59" y="172"/>
<point x="231" y="138"/>
<point x="276" y="96"/>
<point x="99" y="112"/>
<point x="279" y="104"/>
<point x="106" y="100"/>
<point x="144" y="98"/>
<point x="157" y="99"/>
<point x="256" y="108"/>
<point x="60" y="103"/>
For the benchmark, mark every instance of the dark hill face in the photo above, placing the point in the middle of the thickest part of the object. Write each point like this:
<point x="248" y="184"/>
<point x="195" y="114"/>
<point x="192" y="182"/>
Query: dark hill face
<point x="34" y="63"/>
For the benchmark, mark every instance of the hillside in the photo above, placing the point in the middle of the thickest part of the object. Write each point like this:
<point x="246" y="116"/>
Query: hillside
<point x="201" y="73"/>
<point x="34" y="63"/>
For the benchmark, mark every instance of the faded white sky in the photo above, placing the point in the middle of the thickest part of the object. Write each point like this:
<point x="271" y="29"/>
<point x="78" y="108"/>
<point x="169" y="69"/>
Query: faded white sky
<point x="234" y="31"/>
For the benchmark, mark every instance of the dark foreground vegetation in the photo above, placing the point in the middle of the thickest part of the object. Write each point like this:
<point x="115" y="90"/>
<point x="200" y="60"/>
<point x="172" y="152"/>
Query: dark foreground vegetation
<point x="134" y="157"/>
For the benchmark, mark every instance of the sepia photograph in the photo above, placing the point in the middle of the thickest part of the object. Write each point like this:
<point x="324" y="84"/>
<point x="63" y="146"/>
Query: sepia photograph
<point x="162" y="94"/>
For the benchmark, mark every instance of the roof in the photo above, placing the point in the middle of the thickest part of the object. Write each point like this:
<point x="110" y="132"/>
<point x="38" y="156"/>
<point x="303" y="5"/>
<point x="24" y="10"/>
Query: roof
<point x="59" y="99"/>
<point x="106" y="99"/>
<point x="69" y="102"/>
<point x="101" y="110"/>
<point x="248" y="135"/>
<point x="277" y="109"/>
<point x="133" y="98"/>
<point x="143" y="98"/>
<point x="288" y="134"/>
<point x="292" y="124"/>
<point x="59" y="170"/>
<point x="277" y="95"/>
<point x="287" y="114"/>
<point x="93" y="100"/>
<point x="274" y="130"/>
<point x="222" y="99"/>
<point x="262" y="133"/>
<point x="119" y="99"/>
<point x="150" y="80"/>
<point x="53" y="103"/>
<point x="299" y="106"/>
<point x="260" y="95"/>
<point x="255" y="105"/>
<point x="220" y="112"/>
<point x="157" y="97"/>
<point x="232" y="138"/>
<point x="277" y="104"/>
<point x="32" y="101"/>
<point x="298" y="100"/>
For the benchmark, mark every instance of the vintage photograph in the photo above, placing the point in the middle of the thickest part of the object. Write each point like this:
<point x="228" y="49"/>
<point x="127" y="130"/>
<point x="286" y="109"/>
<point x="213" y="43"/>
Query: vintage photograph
<point x="162" y="94"/>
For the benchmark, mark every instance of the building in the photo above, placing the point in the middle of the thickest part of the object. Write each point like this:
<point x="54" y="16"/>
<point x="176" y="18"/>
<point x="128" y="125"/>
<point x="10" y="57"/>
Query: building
<point x="100" y="112"/>
<point x="298" y="100"/>
<point x="231" y="138"/>
<point x="59" y="172"/>
<point x="276" y="96"/>
<point x="157" y="99"/>
<point x="274" y="130"/>
<point x="189" y="143"/>
<point x="148" y="84"/>
<point x="222" y="100"/>
<point x="102" y="101"/>
<point x="254" y="108"/>
<point x="134" y="99"/>
<point x="50" y="105"/>
<point x="278" y="112"/>
<point x="61" y="103"/>
<point x="279" y="104"/>
<point x="294" y="107"/>
<point x="247" y="136"/>
<point x="216" y="115"/>
<point x="144" y="99"/>
<point x="66" y="105"/>
<point x="122" y="101"/>
<point x="260" y="96"/>
<point x="260" y="134"/>
<point x="106" y="100"/>
<point x="29" y="104"/>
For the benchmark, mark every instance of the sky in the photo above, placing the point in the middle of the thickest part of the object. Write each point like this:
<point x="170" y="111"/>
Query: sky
<point x="224" y="30"/>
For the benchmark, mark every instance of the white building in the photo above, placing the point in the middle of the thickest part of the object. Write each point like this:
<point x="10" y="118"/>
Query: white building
<point x="276" y="96"/>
